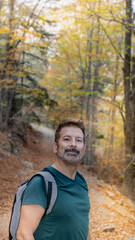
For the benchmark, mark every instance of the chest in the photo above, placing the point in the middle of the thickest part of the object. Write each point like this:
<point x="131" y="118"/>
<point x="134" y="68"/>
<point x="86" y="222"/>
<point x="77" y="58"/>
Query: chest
<point x="72" y="200"/>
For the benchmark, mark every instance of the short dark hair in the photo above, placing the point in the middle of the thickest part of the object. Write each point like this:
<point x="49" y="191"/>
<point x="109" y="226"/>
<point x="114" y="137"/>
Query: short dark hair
<point x="68" y="122"/>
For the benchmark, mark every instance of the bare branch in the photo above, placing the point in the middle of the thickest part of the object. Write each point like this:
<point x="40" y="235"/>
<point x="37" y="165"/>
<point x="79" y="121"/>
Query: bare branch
<point x="111" y="42"/>
<point x="133" y="159"/>
<point x="114" y="103"/>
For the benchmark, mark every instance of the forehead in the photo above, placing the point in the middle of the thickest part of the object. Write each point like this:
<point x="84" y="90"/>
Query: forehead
<point x="71" y="131"/>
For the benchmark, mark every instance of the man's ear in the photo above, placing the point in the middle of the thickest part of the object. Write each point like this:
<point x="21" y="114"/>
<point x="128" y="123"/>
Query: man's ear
<point x="54" y="147"/>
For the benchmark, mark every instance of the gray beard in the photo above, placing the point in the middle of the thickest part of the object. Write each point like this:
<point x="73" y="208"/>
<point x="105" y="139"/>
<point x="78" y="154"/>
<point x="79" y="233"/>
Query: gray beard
<point x="71" y="158"/>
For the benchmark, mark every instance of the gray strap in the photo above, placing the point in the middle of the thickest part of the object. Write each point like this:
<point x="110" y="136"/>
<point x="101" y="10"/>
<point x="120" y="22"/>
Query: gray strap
<point x="49" y="178"/>
<point x="16" y="212"/>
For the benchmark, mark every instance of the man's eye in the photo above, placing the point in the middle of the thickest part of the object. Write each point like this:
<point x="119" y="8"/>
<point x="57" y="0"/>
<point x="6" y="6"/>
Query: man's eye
<point x="66" y="139"/>
<point x="79" y="140"/>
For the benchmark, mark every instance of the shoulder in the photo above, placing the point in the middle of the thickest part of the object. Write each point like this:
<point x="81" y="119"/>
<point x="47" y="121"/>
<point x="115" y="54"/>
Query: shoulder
<point x="81" y="179"/>
<point x="81" y="176"/>
<point x="36" y="181"/>
<point x="35" y="192"/>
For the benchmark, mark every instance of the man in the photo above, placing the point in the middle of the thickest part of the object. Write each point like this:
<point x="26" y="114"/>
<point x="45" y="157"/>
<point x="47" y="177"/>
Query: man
<point x="69" y="218"/>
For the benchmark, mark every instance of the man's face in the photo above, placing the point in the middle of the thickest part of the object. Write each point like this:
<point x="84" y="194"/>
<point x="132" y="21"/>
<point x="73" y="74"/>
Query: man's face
<point x="70" y="146"/>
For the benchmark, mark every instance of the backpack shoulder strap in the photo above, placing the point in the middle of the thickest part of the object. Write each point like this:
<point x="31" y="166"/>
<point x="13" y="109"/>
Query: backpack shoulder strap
<point x="16" y="210"/>
<point x="51" y="189"/>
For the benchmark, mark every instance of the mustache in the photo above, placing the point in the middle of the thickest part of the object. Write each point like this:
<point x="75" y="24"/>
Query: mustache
<point x="73" y="150"/>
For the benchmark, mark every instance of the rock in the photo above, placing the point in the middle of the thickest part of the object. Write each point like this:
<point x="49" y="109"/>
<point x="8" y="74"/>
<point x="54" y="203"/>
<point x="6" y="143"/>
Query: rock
<point x="27" y="164"/>
<point x="109" y="229"/>
<point x="129" y="237"/>
<point x="110" y="194"/>
<point x="3" y="152"/>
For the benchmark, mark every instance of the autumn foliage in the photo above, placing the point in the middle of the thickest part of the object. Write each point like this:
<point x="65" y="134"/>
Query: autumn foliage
<point x="76" y="60"/>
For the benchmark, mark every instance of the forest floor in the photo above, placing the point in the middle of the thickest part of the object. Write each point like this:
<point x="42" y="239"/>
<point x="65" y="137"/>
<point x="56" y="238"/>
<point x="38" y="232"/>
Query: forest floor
<point x="112" y="215"/>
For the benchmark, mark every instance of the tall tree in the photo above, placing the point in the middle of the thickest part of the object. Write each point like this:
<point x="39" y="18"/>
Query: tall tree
<point x="129" y="96"/>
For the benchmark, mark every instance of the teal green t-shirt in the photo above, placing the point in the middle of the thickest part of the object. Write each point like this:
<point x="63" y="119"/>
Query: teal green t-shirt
<point x="69" y="218"/>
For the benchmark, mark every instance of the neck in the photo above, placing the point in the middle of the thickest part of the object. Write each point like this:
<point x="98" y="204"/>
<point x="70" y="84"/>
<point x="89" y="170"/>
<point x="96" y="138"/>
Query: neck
<point x="68" y="169"/>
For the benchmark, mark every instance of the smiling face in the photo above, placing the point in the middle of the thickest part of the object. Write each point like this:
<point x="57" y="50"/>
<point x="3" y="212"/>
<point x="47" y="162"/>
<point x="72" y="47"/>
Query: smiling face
<point x="70" y="146"/>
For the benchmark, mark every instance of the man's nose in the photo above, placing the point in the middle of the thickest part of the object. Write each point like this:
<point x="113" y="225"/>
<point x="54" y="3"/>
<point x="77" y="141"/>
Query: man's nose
<point x="73" y="142"/>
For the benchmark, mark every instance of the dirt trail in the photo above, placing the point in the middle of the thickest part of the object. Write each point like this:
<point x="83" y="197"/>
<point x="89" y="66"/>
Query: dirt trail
<point x="112" y="215"/>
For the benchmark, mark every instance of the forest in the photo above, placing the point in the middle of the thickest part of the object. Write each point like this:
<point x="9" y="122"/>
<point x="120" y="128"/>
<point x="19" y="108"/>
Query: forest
<point x="73" y="58"/>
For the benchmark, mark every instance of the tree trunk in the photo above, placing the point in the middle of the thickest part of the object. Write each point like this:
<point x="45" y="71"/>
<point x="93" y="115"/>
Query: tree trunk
<point x="87" y="157"/>
<point x="111" y="135"/>
<point x="129" y="124"/>
<point x="1" y="108"/>
<point x="7" y="90"/>
<point x="91" y="103"/>
<point x="93" y="136"/>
